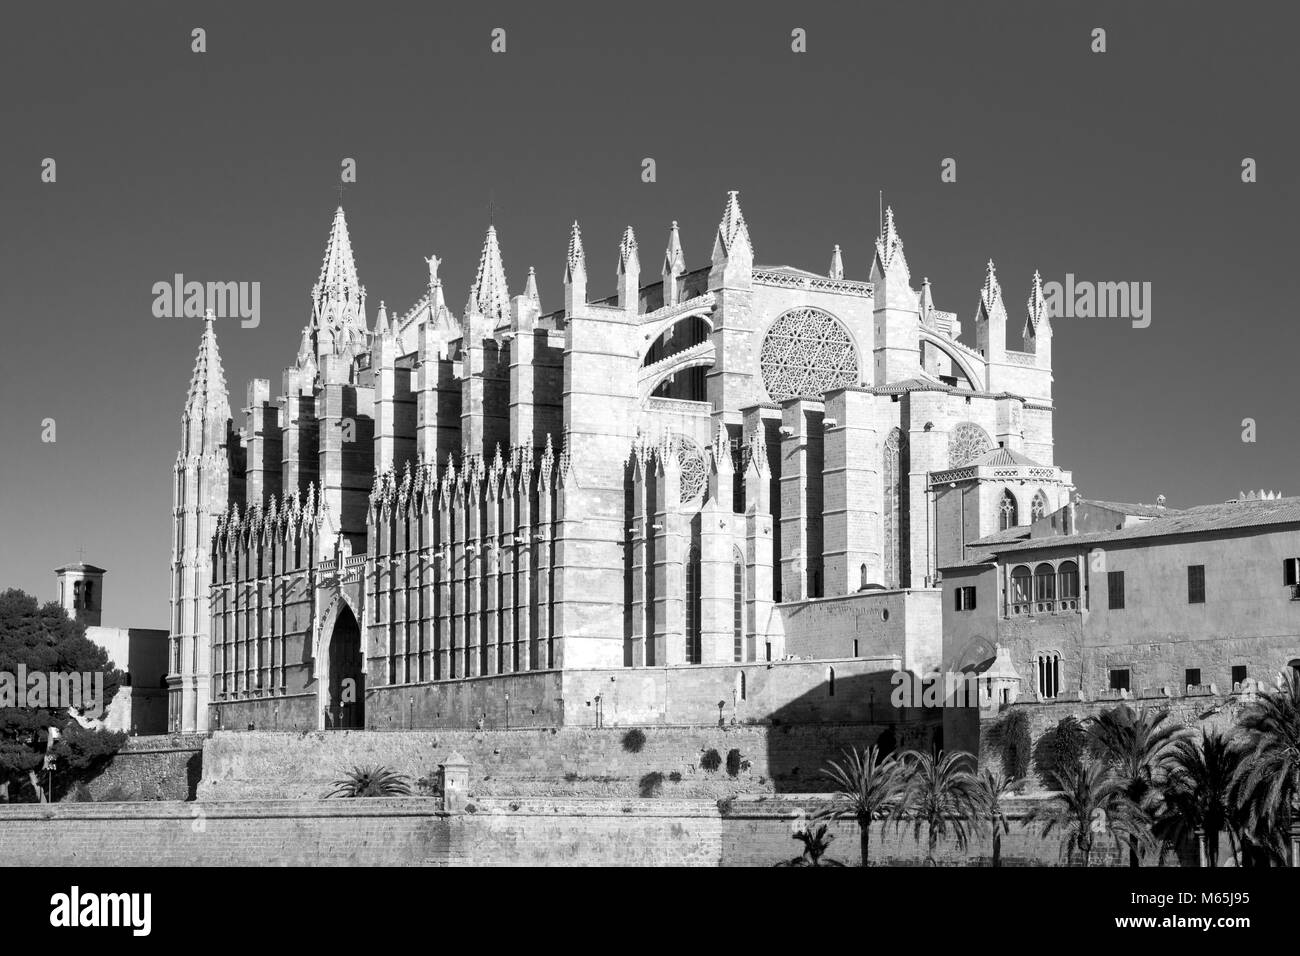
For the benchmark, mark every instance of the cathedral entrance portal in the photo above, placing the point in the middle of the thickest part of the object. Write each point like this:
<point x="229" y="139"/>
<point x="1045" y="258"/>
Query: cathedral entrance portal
<point x="346" y="703"/>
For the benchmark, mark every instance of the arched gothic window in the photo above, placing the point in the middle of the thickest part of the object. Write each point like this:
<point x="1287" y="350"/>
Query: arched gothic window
<point x="1021" y="582"/>
<point x="1044" y="583"/>
<point x="1038" y="508"/>
<point x="895" y="516"/>
<point x="807" y="352"/>
<point x="693" y="606"/>
<point x="1008" y="516"/>
<point x="738" y="604"/>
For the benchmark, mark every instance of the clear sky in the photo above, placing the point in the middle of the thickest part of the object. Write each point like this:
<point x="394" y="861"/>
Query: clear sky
<point x="223" y="166"/>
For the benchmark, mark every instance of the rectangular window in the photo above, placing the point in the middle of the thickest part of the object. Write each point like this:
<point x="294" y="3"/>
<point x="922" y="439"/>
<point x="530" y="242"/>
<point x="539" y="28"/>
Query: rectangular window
<point x="1192" y="677"/>
<point x="1115" y="589"/>
<point x="1291" y="571"/>
<point x="1238" y="676"/>
<point x="855" y="648"/>
<point x="1196" y="584"/>
<point x="964" y="598"/>
<point x="1119" y="679"/>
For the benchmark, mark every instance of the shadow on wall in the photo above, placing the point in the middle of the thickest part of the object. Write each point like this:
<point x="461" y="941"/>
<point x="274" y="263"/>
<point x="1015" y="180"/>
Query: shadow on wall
<point x="796" y="760"/>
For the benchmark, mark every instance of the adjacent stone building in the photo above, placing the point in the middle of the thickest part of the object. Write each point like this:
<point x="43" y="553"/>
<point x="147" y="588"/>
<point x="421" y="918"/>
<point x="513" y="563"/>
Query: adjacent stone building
<point x="713" y="492"/>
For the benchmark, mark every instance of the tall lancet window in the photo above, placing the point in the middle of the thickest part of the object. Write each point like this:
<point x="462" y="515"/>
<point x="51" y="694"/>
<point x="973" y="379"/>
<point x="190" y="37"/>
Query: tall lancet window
<point x="1007" y="512"/>
<point x="738" y="604"/>
<point x="1039" y="506"/>
<point x="895" y="512"/>
<point x="693" y="655"/>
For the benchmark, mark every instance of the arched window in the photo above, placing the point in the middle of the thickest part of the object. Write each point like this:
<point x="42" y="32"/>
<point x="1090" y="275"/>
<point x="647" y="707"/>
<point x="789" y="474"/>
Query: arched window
<point x="1044" y="586"/>
<point x="693" y="605"/>
<point x="967" y="442"/>
<point x="1068" y="580"/>
<point x="895" y="511"/>
<point x="76" y="594"/>
<point x="1038" y="508"/>
<point x="741" y="686"/>
<point x="1047" y="668"/>
<point x="1020" y="588"/>
<point x="738" y="605"/>
<point x="830" y="682"/>
<point x="1008" y="516"/>
<point x="862" y="577"/>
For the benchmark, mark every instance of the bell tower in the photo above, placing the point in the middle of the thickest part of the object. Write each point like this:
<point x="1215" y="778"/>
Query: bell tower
<point x="81" y="592"/>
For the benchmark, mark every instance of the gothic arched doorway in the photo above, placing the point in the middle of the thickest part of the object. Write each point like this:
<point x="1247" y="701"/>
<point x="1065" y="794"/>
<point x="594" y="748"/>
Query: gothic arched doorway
<point x="346" y="704"/>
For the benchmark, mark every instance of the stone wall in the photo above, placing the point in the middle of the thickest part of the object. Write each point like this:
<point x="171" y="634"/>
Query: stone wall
<point x="567" y="761"/>
<point x="493" y="832"/>
<point x="151" y="768"/>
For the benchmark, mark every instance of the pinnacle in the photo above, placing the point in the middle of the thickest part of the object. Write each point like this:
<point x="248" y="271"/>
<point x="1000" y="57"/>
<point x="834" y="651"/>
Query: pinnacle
<point x="674" y="259"/>
<point x="627" y="252"/>
<point x="889" y="245"/>
<point x="576" y="259"/>
<point x="489" y="295"/>
<point x="837" y="264"/>
<point x="208" y="383"/>
<point x="339" y="269"/>
<point x="732" y="228"/>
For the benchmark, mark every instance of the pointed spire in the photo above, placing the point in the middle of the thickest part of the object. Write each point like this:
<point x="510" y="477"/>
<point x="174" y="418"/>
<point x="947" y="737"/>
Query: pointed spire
<point x="733" y="233"/>
<point x="339" y="269"/>
<point x="530" y="289"/>
<point x="381" y="320"/>
<point x="628" y="260"/>
<point x="674" y="259"/>
<point x="1039" y="315"/>
<point x="207" y="398"/>
<point x="575" y="263"/>
<point x="889" y="246"/>
<point x="991" y="292"/>
<point x="837" y="264"/>
<point x="489" y="296"/>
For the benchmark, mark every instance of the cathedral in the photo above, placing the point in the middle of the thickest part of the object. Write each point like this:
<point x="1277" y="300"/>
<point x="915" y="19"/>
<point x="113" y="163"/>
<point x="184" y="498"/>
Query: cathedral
<point x="709" y="495"/>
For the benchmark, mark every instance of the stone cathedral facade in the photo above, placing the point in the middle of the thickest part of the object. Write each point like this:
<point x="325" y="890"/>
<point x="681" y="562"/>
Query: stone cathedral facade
<point x="708" y="496"/>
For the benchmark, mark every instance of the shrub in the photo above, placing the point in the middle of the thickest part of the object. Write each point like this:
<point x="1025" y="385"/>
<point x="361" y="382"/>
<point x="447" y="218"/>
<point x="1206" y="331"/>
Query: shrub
<point x="1010" y="736"/>
<point x="1059" y="750"/>
<point x="734" y="765"/>
<point x="633" y="741"/>
<point x="651" y="784"/>
<point x="371" y="782"/>
<point x="711" y="760"/>
<point x="675" y="777"/>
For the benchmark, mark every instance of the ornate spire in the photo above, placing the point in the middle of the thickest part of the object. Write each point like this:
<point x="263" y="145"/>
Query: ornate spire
<point x="628" y="261"/>
<point x="339" y="269"/>
<point x="575" y="263"/>
<point x="991" y="292"/>
<point x="338" y="299"/>
<point x="674" y="260"/>
<point x="381" y="320"/>
<point x="489" y="296"/>
<point x="733" y="233"/>
<point x="530" y="289"/>
<point x="207" y="398"/>
<point x="889" y="246"/>
<point x="1039" y="315"/>
<point x="837" y="264"/>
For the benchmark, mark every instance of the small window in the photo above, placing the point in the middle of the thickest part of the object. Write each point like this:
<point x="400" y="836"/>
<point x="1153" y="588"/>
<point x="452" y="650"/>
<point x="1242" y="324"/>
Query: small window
<point x="1192" y="677"/>
<point x="1069" y="580"/>
<point x="1238" y="676"/>
<point x="1020" y="585"/>
<point x="855" y="647"/>
<point x="1291" y="572"/>
<point x="1119" y="679"/>
<point x="1047" y="665"/>
<point x="830" y="681"/>
<point x="1115" y="590"/>
<point x="965" y="598"/>
<point x="1196" y="584"/>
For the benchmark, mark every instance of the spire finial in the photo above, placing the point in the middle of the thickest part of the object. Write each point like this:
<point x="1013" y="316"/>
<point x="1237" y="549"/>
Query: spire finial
<point x="837" y="264"/>
<point x="627" y="253"/>
<point x="489" y="295"/>
<point x="575" y="263"/>
<point x="889" y="246"/>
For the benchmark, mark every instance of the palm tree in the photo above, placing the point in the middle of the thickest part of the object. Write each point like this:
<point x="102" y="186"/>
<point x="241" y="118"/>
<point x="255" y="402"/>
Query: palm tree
<point x="1266" y="782"/>
<point x="1196" y="793"/>
<point x="993" y="787"/>
<point x="1135" y="745"/>
<point x="815" y="844"/>
<point x="943" y="795"/>
<point x="371" y="782"/>
<point x="867" y="788"/>
<point x="1090" y="802"/>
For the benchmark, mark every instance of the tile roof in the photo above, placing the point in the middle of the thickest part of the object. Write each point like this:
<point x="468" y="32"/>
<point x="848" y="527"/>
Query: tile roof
<point x="1199" y="520"/>
<point x="1137" y="510"/>
<point x="1002" y="456"/>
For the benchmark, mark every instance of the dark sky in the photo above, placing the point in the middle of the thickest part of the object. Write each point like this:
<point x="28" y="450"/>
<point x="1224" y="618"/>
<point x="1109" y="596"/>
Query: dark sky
<point x="1123" y="166"/>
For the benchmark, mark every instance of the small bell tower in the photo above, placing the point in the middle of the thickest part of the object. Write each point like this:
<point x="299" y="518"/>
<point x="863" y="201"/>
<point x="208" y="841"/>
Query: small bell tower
<point x="81" y="592"/>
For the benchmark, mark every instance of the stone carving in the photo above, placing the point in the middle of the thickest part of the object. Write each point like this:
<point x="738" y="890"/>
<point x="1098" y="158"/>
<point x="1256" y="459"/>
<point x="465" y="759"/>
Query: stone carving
<point x="807" y="352"/>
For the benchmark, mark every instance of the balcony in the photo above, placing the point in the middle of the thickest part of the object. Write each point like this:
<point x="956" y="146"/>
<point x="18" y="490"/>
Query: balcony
<point x="1024" y="608"/>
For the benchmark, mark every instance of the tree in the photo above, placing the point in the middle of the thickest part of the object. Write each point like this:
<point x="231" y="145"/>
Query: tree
<point x="43" y="639"/>
<point x="1010" y="736"/>
<point x="371" y="782"/>
<point x="1196" y="793"/>
<point x="1266" y="782"/>
<point x="1090" y="803"/>
<point x="1136" y="747"/>
<point x="815" y="844"/>
<point x="867" y="789"/>
<point x="942" y="795"/>
<point x="1061" y="747"/>
<point x="993" y="787"/>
